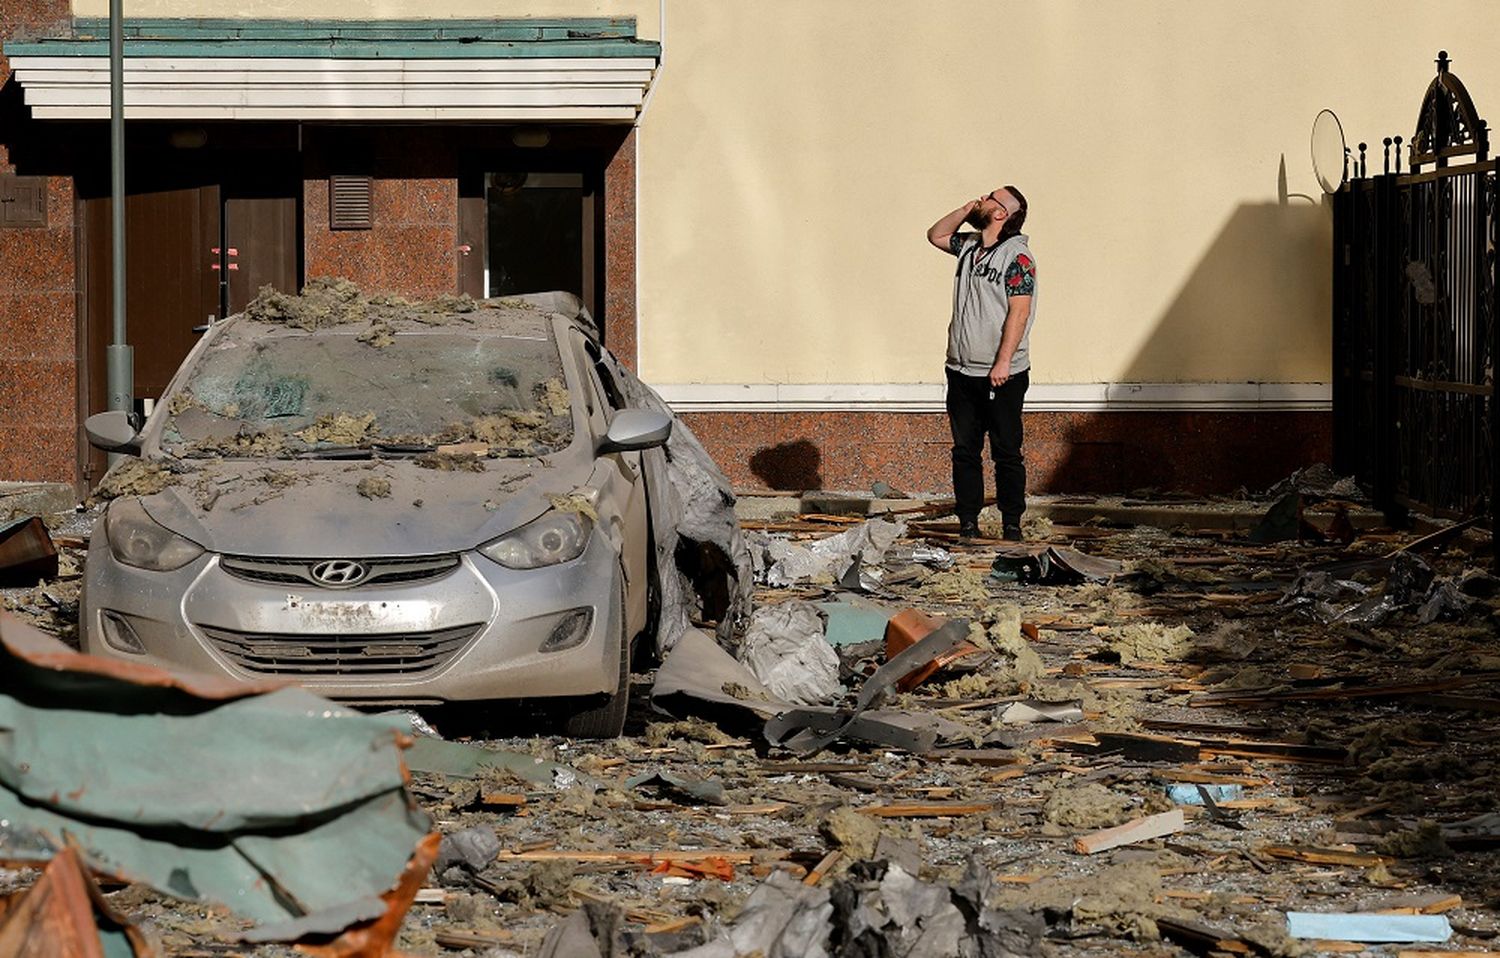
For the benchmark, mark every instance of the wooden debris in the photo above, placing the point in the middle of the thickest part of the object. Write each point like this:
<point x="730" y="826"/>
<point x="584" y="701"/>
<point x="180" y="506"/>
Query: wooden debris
<point x="1139" y="830"/>
<point x="502" y="800"/>
<point x="823" y="867"/>
<point x="926" y="810"/>
<point x="468" y="939"/>
<point x="735" y="856"/>
<point x="1434" y="904"/>
<point x="676" y="924"/>
<point x="1323" y="856"/>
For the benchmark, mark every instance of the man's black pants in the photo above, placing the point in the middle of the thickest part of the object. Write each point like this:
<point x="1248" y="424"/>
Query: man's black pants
<point x="972" y="414"/>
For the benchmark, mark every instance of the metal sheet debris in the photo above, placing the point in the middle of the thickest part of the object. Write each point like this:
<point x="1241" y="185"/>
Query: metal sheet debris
<point x="150" y="780"/>
<point x="26" y="552"/>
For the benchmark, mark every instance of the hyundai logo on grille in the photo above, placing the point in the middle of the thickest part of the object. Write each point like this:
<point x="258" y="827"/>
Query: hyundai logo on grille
<point x="340" y="572"/>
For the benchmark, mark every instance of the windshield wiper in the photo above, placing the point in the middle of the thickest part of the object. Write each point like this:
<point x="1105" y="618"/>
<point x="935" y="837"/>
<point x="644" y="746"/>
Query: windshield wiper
<point x="338" y="452"/>
<point x="404" y="448"/>
<point x="382" y="449"/>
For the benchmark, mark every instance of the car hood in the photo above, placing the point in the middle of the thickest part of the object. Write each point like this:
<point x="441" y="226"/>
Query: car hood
<point x="336" y="509"/>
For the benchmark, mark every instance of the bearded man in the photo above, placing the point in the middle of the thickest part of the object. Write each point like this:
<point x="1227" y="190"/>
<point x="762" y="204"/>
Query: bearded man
<point x="989" y="359"/>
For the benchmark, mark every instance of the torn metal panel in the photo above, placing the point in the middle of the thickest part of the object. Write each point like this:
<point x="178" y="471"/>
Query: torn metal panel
<point x="1043" y="564"/>
<point x="26" y="552"/>
<point x="699" y="673"/>
<point x="692" y="516"/>
<point x="806" y="740"/>
<point x="470" y="761"/>
<point x="281" y="805"/>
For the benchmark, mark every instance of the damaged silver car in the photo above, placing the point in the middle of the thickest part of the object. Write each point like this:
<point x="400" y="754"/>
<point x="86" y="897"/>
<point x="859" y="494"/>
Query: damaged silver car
<point x="389" y="503"/>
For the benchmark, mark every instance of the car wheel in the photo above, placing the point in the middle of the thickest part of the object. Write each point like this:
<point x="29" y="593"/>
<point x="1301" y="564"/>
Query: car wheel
<point x="607" y="719"/>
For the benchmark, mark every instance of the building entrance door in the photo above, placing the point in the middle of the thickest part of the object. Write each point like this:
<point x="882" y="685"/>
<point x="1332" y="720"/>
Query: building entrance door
<point x="532" y="232"/>
<point x="198" y="247"/>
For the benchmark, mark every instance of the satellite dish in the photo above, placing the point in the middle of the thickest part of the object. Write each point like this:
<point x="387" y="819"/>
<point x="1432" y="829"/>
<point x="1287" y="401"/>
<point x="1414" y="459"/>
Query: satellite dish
<point x="1330" y="155"/>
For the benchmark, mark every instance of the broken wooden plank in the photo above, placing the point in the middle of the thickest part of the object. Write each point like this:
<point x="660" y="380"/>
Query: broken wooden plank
<point x="1140" y="747"/>
<point x="1435" y="903"/>
<point x="502" y="799"/>
<point x="649" y="857"/>
<point x="1337" y="693"/>
<point x="1323" y="856"/>
<point x="1139" y="830"/>
<point x="823" y="867"/>
<point x="926" y="809"/>
<point x="676" y="924"/>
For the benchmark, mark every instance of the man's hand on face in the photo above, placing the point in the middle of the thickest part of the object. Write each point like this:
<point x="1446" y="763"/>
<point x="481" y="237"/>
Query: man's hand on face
<point x="1000" y="372"/>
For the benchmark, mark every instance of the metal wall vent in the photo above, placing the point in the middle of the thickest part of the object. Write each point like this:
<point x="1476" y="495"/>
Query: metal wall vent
<point x="350" y="203"/>
<point x="23" y="201"/>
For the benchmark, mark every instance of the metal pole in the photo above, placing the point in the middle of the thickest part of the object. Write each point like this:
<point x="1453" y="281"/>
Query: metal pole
<point x="119" y="360"/>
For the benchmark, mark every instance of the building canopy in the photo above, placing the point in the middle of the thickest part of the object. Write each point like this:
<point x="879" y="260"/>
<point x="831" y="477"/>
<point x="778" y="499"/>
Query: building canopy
<point x="580" y="70"/>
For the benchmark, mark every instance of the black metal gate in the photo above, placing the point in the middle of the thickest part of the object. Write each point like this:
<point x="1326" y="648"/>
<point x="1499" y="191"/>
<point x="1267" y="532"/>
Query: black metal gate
<point x="1414" y="315"/>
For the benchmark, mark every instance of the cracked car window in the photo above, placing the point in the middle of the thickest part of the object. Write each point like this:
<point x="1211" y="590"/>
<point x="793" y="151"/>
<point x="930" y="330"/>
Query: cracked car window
<point x="271" y="393"/>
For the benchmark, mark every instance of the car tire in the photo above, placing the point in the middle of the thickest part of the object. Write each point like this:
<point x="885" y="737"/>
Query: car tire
<point x="607" y="719"/>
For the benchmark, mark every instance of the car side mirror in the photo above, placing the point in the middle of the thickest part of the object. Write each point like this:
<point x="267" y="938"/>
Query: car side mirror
<point x="634" y="429"/>
<point x="113" y="431"/>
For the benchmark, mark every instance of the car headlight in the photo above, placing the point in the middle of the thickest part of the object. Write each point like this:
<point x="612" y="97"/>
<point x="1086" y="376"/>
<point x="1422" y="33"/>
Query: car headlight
<point x="554" y="537"/>
<point x="138" y="540"/>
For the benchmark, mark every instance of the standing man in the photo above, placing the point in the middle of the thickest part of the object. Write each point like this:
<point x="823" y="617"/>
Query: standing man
<point x="989" y="362"/>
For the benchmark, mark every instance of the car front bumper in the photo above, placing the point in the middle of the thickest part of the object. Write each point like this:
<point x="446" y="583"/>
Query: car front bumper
<point x="477" y="632"/>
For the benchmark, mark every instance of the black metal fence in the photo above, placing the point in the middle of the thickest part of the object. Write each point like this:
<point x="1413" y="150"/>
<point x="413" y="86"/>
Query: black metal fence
<point x="1414" y="315"/>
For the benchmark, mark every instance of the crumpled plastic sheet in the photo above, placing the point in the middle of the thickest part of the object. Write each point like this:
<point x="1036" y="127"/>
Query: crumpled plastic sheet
<point x="780" y="563"/>
<point x="785" y="648"/>
<point x="694" y="506"/>
<point x="287" y="808"/>
<point x="1410" y="584"/>
<point x="782" y="918"/>
<point x="698" y="676"/>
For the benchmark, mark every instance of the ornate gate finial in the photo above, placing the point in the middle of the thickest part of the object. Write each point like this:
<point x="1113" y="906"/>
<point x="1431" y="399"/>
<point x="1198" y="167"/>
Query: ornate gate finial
<point x="1448" y="125"/>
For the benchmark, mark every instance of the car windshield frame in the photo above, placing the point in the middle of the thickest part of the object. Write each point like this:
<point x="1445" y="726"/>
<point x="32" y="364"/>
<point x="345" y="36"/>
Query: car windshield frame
<point x="261" y="391"/>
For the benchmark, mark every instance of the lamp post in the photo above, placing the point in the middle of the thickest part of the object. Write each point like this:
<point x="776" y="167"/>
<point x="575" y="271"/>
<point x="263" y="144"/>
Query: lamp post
<point x="119" y="359"/>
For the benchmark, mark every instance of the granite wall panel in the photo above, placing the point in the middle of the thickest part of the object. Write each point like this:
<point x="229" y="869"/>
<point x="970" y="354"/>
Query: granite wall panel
<point x="412" y="249"/>
<point x="1196" y="452"/>
<point x="619" y="253"/>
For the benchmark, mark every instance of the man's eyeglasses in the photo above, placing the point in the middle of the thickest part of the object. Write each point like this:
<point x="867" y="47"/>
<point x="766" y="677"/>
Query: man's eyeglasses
<point x="1001" y="203"/>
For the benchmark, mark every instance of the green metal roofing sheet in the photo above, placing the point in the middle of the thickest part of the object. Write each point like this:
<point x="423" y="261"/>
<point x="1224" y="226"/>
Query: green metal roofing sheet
<point x="356" y="39"/>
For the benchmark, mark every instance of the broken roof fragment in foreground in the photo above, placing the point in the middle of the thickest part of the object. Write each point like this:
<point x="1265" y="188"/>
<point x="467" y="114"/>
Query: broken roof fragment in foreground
<point x="286" y="808"/>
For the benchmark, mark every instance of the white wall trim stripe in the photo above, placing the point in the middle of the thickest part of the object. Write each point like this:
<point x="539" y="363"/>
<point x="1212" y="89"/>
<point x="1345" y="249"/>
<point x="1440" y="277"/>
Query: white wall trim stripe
<point x="1041" y="397"/>
<point x="602" y="89"/>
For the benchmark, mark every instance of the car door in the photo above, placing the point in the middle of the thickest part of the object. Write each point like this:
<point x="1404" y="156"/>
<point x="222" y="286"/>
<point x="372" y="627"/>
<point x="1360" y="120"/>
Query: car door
<point x="623" y="488"/>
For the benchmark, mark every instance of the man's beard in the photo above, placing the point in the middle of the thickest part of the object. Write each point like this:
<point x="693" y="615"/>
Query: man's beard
<point x="978" y="218"/>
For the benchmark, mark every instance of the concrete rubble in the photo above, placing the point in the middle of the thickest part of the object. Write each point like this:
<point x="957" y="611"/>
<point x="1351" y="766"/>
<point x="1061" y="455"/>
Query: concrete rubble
<point x="1189" y="748"/>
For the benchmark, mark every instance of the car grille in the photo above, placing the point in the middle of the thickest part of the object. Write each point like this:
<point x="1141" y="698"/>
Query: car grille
<point x="405" y="653"/>
<point x="299" y="571"/>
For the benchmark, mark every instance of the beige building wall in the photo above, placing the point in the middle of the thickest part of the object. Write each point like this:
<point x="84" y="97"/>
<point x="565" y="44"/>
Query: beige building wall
<point x="793" y="154"/>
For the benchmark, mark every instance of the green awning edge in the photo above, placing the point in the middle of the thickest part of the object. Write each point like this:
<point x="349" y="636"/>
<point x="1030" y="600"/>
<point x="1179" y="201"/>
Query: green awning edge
<point x="352" y="39"/>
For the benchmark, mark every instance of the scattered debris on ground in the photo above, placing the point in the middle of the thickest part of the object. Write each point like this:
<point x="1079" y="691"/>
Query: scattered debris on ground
<point x="1204" y="745"/>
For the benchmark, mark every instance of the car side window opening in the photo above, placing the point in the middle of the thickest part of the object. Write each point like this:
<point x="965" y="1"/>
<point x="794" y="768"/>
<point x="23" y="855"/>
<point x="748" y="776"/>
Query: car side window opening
<point x="612" y="394"/>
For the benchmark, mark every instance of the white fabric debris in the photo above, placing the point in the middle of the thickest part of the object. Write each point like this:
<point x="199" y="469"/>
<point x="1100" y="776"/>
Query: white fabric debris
<point x="785" y="648"/>
<point x="788" y="563"/>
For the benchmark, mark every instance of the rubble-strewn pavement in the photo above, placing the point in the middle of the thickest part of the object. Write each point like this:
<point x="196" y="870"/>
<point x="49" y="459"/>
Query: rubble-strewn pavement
<point x="1348" y="750"/>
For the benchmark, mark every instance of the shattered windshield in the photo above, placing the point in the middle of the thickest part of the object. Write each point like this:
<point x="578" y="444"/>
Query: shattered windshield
<point x="277" y="393"/>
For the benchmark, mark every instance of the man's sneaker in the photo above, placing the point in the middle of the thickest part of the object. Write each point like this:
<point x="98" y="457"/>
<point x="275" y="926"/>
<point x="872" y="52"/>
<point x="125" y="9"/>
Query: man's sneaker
<point x="1011" y="534"/>
<point x="968" y="529"/>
